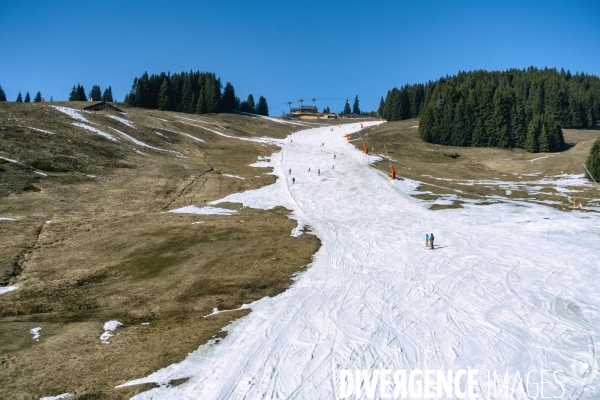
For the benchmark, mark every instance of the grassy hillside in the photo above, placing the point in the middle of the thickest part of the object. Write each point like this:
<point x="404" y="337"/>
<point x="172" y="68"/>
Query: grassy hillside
<point x="87" y="240"/>
<point x="485" y="175"/>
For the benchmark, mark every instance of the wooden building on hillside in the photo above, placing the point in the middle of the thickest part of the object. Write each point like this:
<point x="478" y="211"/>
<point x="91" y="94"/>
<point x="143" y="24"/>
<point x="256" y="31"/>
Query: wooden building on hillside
<point x="307" y="112"/>
<point x="102" y="106"/>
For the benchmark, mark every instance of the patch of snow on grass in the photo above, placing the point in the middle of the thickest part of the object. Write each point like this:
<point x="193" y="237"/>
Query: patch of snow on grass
<point x="6" y="289"/>
<point x="41" y="130"/>
<point x="6" y="219"/>
<point x="193" y="137"/>
<point x="160" y="134"/>
<point x="234" y="176"/>
<point x="203" y="211"/>
<point x="109" y="327"/>
<point x="36" y="333"/>
<point x="71" y="112"/>
<point x="122" y="120"/>
<point x="59" y="397"/>
<point x="9" y="160"/>
<point x="98" y="131"/>
<point x="140" y="143"/>
<point x="40" y="173"/>
<point x="197" y="222"/>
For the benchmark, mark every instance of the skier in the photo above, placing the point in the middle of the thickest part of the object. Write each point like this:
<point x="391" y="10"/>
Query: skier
<point x="334" y="156"/>
<point x="333" y="166"/>
<point x="309" y="170"/>
<point x="293" y="180"/>
<point x="431" y="240"/>
<point x="319" y="171"/>
<point x="426" y="240"/>
<point x="290" y="171"/>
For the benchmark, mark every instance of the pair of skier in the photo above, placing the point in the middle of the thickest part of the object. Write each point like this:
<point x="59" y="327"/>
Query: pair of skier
<point x="429" y="240"/>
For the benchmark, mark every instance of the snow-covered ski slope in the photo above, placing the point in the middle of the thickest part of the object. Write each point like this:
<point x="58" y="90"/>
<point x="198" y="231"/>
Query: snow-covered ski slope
<point x="509" y="287"/>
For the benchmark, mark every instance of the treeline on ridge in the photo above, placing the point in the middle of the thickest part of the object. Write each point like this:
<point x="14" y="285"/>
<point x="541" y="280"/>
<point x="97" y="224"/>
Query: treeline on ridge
<point x="514" y="108"/>
<point x="190" y="92"/>
<point x="78" y="94"/>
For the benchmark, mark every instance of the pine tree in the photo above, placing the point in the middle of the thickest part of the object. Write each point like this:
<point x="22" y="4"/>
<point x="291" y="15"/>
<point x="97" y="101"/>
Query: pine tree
<point x="73" y="95"/>
<point x="2" y="94"/>
<point x="533" y="133"/>
<point x="187" y="100"/>
<point x="381" y="107"/>
<point x="593" y="161"/>
<point x="347" y="109"/>
<point x="51" y="98"/>
<point x="96" y="93"/>
<point x="27" y="98"/>
<point x="38" y="97"/>
<point x="108" y="96"/>
<point x="251" y="104"/>
<point x="543" y="142"/>
<point x="164" y="99"/>
<point x="19" y="98"/>
<point x="228" y="101"/>
<point x="355" y="107"/>
<point x="261" y="107"/>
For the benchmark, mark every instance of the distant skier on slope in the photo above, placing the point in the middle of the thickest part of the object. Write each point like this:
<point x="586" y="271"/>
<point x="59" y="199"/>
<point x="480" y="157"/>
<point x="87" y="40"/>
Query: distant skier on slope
<point x="290" y="171"/>
<point x="431" y="240"/>
<point x="293" y="180"/>
<point x="426" y="240"/>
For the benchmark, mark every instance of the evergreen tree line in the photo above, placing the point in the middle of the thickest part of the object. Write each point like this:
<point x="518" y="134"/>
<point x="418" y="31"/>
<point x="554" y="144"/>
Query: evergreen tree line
<point x="355" y="107"/>
<point x="190" y="92"/>
<point x="78" y="94"/>
<point x="514" y="108"/>
<point x="404" y="103"/>
<point x="2" y="94"/>
<point x="37" y="99"/>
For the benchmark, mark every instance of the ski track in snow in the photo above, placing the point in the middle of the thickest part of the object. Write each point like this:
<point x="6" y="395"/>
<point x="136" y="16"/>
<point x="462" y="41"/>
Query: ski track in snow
<point x="507" y="288"/>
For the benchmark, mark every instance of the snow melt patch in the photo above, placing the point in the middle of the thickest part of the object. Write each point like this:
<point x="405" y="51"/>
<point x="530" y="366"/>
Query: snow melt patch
<point x="40" y="173"/>
<point x="122" y="120"/>
<point x="203" y="211"/>
<point x="41" y="130"/>
<point x="6" y="289"/>
<point x="140" y="143"/>
<point x="109" y="327"/>
<point x="59" y="397"/>
<point x="234" y="176"/>
<point x="9" y="160"/>
<point x="36" y="333"/>
<point x="6" y="219"/>
<point x="95" y="130"/>
<point x="71" y="112"/>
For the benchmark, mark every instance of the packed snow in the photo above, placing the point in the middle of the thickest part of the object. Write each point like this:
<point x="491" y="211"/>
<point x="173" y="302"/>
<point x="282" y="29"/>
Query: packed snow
<point x="95" y="130"/>
<point x="109" y="327"/>
<point x="75" y="114"/>
<point x="36" y="333"/>
<point x="122" y="120"/>
<point x="509" y="287"/>
<point x="6" y="289"/>
<point x="203" y="211"/>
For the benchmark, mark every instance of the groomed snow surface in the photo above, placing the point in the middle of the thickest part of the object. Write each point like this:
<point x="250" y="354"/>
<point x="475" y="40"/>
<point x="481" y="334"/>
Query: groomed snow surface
<point x="510" y="287"/>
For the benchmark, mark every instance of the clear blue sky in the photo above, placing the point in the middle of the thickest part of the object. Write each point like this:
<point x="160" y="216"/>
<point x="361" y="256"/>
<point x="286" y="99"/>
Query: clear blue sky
<point x="285" y="50"/>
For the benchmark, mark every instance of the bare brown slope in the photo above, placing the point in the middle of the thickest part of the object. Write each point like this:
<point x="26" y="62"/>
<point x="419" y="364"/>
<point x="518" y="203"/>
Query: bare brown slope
<point x="441" y="174"/>
<point x="90" y="243"/>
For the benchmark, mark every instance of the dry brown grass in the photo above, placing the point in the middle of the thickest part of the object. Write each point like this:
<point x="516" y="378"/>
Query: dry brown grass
<point x="109" y="251"/>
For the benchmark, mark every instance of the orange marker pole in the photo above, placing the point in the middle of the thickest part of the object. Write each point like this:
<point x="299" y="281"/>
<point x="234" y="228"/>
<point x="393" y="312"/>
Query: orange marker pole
<point x="366" y="149"/>
<point x="393" y="172"/>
